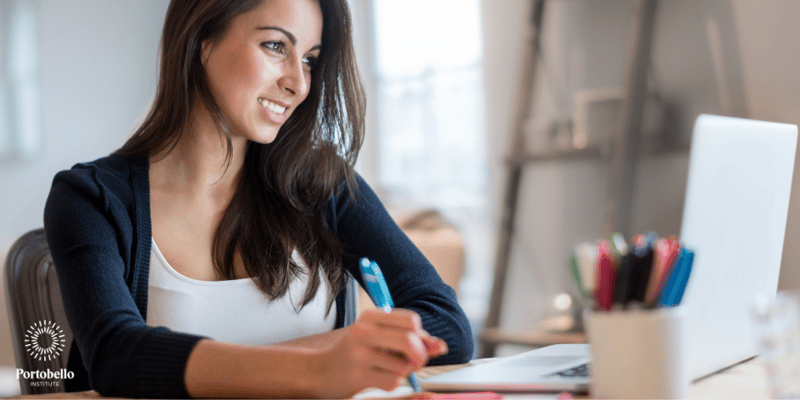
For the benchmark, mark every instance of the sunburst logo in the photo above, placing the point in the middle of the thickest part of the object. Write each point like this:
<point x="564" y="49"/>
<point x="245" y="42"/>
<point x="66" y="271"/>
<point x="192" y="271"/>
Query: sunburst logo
<point x="44" y="340"/>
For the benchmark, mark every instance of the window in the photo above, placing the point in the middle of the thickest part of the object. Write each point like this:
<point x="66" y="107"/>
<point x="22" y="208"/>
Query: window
<point x="20" y="125"/>
<point x="428" y="99"/>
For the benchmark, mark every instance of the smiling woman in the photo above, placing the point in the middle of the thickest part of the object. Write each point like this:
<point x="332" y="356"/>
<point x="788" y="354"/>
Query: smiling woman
<point x="221" y="236"/>
<point x="260" y="62"/>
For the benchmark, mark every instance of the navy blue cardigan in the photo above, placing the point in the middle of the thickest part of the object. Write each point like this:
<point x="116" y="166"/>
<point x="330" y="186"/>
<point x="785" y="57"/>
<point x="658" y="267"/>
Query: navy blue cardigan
<point x="97" y="220"/>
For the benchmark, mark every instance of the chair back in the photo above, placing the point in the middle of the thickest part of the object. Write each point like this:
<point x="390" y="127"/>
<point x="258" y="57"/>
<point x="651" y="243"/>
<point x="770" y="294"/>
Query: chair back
<point x="40" y="333"/>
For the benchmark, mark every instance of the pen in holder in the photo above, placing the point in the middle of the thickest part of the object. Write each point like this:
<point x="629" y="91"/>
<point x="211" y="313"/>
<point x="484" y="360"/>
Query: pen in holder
<point x="652" y="272"/>
<point x="633" y="321"/>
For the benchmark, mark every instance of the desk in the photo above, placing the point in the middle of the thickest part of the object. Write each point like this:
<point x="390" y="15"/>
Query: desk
<point x="742" y="381"/>
<point x="746" y="380"/>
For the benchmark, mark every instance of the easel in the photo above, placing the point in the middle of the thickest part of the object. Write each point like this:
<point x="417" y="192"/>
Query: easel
<point x="625" y="148"/>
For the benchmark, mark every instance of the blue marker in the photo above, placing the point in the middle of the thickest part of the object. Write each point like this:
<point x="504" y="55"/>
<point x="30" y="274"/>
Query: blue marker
<point x="379" y="292"/>
<point x="672" y="293"/>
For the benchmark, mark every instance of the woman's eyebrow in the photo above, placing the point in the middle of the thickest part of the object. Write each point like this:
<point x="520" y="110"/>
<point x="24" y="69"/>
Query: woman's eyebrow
<point x="288" y="34"/>
<point x="284" y="31"/>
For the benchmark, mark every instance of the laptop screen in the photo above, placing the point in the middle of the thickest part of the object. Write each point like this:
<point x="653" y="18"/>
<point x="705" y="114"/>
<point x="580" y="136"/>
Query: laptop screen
<point x="737" y="201"/>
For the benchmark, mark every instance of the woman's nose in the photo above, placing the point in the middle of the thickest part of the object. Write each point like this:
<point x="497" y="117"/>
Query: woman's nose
<point x="294" y="77"/>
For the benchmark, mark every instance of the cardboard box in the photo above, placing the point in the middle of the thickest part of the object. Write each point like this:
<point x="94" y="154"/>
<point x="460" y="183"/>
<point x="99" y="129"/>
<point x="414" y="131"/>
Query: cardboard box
<point x="438" y="240"/>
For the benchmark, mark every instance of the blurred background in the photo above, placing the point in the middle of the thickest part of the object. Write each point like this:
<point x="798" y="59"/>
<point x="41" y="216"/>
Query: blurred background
<point x="445" y="85"/>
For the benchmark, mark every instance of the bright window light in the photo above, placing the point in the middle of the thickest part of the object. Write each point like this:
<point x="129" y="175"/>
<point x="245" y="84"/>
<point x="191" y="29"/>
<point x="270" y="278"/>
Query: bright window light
<point x="430" y="101"/>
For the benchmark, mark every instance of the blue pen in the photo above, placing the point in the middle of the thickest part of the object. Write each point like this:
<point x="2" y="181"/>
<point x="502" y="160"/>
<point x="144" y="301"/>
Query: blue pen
<point x="672" y="293"/>
<point x="379" y="292"/>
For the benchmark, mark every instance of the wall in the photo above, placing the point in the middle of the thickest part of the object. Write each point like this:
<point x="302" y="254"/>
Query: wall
<point x="771" y="59"/>
<point x="585" y="46"/>
<point x="98" y="75"/>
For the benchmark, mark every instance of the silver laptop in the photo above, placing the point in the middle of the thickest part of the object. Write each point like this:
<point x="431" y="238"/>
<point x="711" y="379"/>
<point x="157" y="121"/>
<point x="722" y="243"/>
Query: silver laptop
<point x="734" y="218"/>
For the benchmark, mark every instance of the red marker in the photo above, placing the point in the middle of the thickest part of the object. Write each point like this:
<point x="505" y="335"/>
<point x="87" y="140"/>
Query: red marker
<point x="606" y="277"/>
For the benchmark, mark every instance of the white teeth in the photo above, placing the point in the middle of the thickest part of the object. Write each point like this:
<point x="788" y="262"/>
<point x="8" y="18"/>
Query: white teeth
<point x="278" y="109"/>
<point x="272" y="106"/>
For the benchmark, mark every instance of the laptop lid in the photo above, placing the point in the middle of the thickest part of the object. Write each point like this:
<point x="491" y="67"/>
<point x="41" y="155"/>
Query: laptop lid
<point x="734" y="218"/>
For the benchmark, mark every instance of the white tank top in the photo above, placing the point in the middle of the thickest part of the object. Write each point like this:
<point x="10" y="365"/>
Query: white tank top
<point x="233" y="311"/>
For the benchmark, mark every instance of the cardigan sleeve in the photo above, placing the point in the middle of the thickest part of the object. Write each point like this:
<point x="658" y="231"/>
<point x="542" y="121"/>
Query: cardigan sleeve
<point x="89" y="232"/>
<point x="366" y="229"/>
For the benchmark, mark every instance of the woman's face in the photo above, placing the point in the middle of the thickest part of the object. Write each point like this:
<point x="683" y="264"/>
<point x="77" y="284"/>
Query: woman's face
<point x="259" y="71"/>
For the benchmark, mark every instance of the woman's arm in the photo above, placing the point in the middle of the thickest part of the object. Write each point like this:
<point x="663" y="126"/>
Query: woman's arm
<point x="217" y="369"/>
<point x="377" y="351"/>
<point x="367" y="230"/>
<point x="90" y="234"/>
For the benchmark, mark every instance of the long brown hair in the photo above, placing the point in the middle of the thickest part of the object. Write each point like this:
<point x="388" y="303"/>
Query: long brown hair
<point x="279" y="201"/>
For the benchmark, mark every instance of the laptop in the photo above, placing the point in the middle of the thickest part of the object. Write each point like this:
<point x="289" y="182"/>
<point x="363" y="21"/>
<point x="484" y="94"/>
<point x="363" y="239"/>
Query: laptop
<point x="734" y="218"/>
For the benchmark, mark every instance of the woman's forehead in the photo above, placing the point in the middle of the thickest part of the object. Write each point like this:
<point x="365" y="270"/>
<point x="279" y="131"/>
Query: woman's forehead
<point x="302" y="18"/>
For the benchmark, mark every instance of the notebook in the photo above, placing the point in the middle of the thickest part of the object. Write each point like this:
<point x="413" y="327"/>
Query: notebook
<point x="734" y="218"/>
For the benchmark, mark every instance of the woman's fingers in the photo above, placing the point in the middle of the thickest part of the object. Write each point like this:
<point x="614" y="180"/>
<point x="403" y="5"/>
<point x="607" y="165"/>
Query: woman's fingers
<point x="384" y="380"/>
<point x="407" y="320"/>
<point x="379" y="350"/>
<point x="406" y="344"/>
<point x="380" y="339"/>
<point x="391" y="362"/>
<point x="436" y="347"/>
<point x="398" y="318"/>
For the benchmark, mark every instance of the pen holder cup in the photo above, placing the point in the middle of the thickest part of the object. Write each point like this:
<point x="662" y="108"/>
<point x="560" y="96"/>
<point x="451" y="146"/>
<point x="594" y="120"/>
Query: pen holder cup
<point x="638" y="354"/>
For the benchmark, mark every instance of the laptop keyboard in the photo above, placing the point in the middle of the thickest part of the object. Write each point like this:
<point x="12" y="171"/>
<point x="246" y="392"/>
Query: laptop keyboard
<point x="581" y="371"/>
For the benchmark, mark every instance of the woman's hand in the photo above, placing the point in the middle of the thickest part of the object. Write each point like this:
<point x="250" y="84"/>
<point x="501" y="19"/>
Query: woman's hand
<point x="379" y="350"/>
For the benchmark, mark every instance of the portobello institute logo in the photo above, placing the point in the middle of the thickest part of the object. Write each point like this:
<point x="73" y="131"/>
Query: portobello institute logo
<point x="44" y="340"/>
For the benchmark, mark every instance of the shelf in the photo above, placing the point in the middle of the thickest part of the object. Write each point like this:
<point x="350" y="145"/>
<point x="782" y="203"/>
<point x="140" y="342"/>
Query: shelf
<point x="649" y="147"/>
<point x="568" y="154"/>
<point x="620" y="152"/>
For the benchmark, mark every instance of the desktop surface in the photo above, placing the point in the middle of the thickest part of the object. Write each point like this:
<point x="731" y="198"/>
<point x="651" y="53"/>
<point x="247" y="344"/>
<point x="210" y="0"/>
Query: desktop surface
<point x="747" y="380"/>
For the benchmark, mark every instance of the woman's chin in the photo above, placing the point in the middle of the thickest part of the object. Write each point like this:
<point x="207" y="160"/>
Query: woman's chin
<point x="264" y="136"/>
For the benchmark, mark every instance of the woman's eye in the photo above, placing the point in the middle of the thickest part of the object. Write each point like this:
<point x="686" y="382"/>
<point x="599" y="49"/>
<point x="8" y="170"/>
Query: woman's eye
<point x="310" y="61"/>
<point x="274" y="46"/>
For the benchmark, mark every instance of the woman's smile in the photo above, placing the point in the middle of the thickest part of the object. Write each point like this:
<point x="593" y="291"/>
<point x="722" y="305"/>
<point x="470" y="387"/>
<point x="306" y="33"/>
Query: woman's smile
<point x="275" y="112"/>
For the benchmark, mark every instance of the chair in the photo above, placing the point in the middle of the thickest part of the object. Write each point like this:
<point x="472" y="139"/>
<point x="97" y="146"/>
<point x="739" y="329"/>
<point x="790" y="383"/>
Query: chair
<point x="34" y="297"/>
<point x="34" y="301"/>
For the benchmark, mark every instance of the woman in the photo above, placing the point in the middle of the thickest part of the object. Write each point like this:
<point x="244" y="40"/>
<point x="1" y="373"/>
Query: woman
<point x="208" y="256"/>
